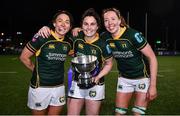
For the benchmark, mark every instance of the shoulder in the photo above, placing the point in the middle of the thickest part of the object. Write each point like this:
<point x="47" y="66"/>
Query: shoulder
<point x="133" y="32"/>
<point x="37" y="38"/>
<point x="105" y="35"/>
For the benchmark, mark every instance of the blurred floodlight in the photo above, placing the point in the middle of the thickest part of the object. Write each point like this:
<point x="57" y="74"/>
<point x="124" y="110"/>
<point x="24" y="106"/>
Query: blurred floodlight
<point x="19" y="33"/>
<point x="158" y="42"/>
<point x="8" y="39"/>
<point x="21" y="43"/>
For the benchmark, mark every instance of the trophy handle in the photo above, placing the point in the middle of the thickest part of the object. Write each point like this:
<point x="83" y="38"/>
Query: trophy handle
<point x="97" y="63"/>
<point x="76" y="70"/>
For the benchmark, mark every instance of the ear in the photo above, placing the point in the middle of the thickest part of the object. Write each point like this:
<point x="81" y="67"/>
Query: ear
<point x="54" y="24"/>
<point x="97" y="27"/>
<point x="70" y="27"/>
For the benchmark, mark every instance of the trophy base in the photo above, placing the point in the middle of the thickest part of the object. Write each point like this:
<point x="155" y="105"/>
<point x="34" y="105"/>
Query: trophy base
<point x="84" y="82"/>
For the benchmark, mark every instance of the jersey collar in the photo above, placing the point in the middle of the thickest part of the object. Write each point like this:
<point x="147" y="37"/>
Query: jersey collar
<point x="56" y="37"/>
<point x="121" y="31"/>
<point x="94" y="39"/>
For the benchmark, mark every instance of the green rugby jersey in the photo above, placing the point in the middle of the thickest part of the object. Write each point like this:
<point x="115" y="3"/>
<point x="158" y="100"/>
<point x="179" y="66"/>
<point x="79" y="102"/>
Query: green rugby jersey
<point x="126" y="47"/>
<point x="50" y="56"/>
<point x="97" y="47"/>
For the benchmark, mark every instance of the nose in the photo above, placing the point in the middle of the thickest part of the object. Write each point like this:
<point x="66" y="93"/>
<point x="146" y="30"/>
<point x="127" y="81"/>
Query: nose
<point x="88" y="27"/>
<point x="110" y="22"/>
<point x="63" y="23"/>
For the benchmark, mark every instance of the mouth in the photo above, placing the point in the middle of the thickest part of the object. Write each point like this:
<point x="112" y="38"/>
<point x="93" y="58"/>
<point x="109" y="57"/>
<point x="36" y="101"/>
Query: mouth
<point x="87" y="31"/>
<point x="111" y="28"/>
<point x="61" y="29"/>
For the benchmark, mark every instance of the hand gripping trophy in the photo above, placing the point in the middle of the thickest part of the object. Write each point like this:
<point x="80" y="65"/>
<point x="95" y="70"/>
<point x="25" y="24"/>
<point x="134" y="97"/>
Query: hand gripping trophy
<point x="86" y="66"/>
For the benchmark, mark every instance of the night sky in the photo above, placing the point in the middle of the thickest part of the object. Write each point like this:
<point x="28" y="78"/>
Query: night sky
<point x="30" y="15"/>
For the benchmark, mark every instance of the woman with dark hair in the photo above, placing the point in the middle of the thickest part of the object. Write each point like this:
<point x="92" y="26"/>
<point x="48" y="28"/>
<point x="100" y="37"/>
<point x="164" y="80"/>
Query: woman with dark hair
<point x="88" y="42"/>
<point x="47" y="91"/>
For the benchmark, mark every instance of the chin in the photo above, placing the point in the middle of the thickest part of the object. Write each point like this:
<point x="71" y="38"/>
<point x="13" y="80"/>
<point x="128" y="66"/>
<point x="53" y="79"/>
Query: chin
<point x="63" y="33"/>
<point x="111" y="31"/>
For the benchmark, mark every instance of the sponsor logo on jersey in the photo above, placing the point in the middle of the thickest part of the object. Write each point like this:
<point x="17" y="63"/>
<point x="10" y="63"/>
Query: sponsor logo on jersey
<point x="81" y="46"/>
<point x="108" y="49"/>
<point x="93" y="51"/>
<point x="112" y="45"/>
<point x="138" y="37"/>
<point x="92" y="93"/>
<point x="124" y="45"/>
<point x="51" y="46"/>
<point x="65" y="48"/>
<point x="34" y="39"/>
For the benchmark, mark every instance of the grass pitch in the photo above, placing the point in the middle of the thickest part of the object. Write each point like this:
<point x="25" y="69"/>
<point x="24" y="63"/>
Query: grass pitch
<point x="14" y="83"/>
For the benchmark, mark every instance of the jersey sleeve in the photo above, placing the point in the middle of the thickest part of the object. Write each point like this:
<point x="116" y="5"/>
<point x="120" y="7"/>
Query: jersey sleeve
<point x="106" y="50"/>
<point x="70" y="41"/>
<point x="138" y="40"/>
<point x="105" y="36"/>
<point x="34" y="44"/>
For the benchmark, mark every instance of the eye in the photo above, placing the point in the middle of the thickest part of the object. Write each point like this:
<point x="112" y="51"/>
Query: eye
<point x="67" y="22"/>
<point x="59" y="21"/>
<point x="93" y="24"/>
<point x="113" y="18"/>
<point x="85" y="24"/>
<point x="105" y="20"/>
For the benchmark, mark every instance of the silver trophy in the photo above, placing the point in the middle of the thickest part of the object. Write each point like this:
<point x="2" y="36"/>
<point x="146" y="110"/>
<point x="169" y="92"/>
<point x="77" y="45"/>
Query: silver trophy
<point x="84" y="65"/>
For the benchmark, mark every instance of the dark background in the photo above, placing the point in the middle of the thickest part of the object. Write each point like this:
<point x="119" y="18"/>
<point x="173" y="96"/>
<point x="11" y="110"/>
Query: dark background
<point x="163" y="17"/>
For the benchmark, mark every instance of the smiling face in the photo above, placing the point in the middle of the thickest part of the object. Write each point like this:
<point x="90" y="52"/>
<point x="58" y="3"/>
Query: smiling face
<point x="62" y="24"/>
<point x="111" y="22"/>
<point x="89" y="26"/>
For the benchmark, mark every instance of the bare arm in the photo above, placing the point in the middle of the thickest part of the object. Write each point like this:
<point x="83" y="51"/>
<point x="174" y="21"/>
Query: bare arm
<point x="25" y="58"/>
<point x="45" y="32"/>
<point x="106" y="69"/>
<point x="148" y="52"/>
<point x="75" y="31"/>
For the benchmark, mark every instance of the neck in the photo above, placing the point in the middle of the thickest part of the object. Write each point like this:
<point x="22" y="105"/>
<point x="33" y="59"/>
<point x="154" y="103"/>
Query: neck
<point x="115" y="34"/>
<point x="58" y="35"/>
<point x="88" y="39"/>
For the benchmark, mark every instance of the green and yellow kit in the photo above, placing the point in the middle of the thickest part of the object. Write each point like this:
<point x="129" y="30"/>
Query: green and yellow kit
<point x="97" y="47"/>
<point x="50" y="56"/>
<point x="126" y="50"/>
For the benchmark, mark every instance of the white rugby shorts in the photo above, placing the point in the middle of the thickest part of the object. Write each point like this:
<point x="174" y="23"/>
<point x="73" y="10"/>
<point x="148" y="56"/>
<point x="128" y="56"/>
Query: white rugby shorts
<point x="95" y="93"/>
<point x="40" y="98"/>
<point x="130" y="85"/>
